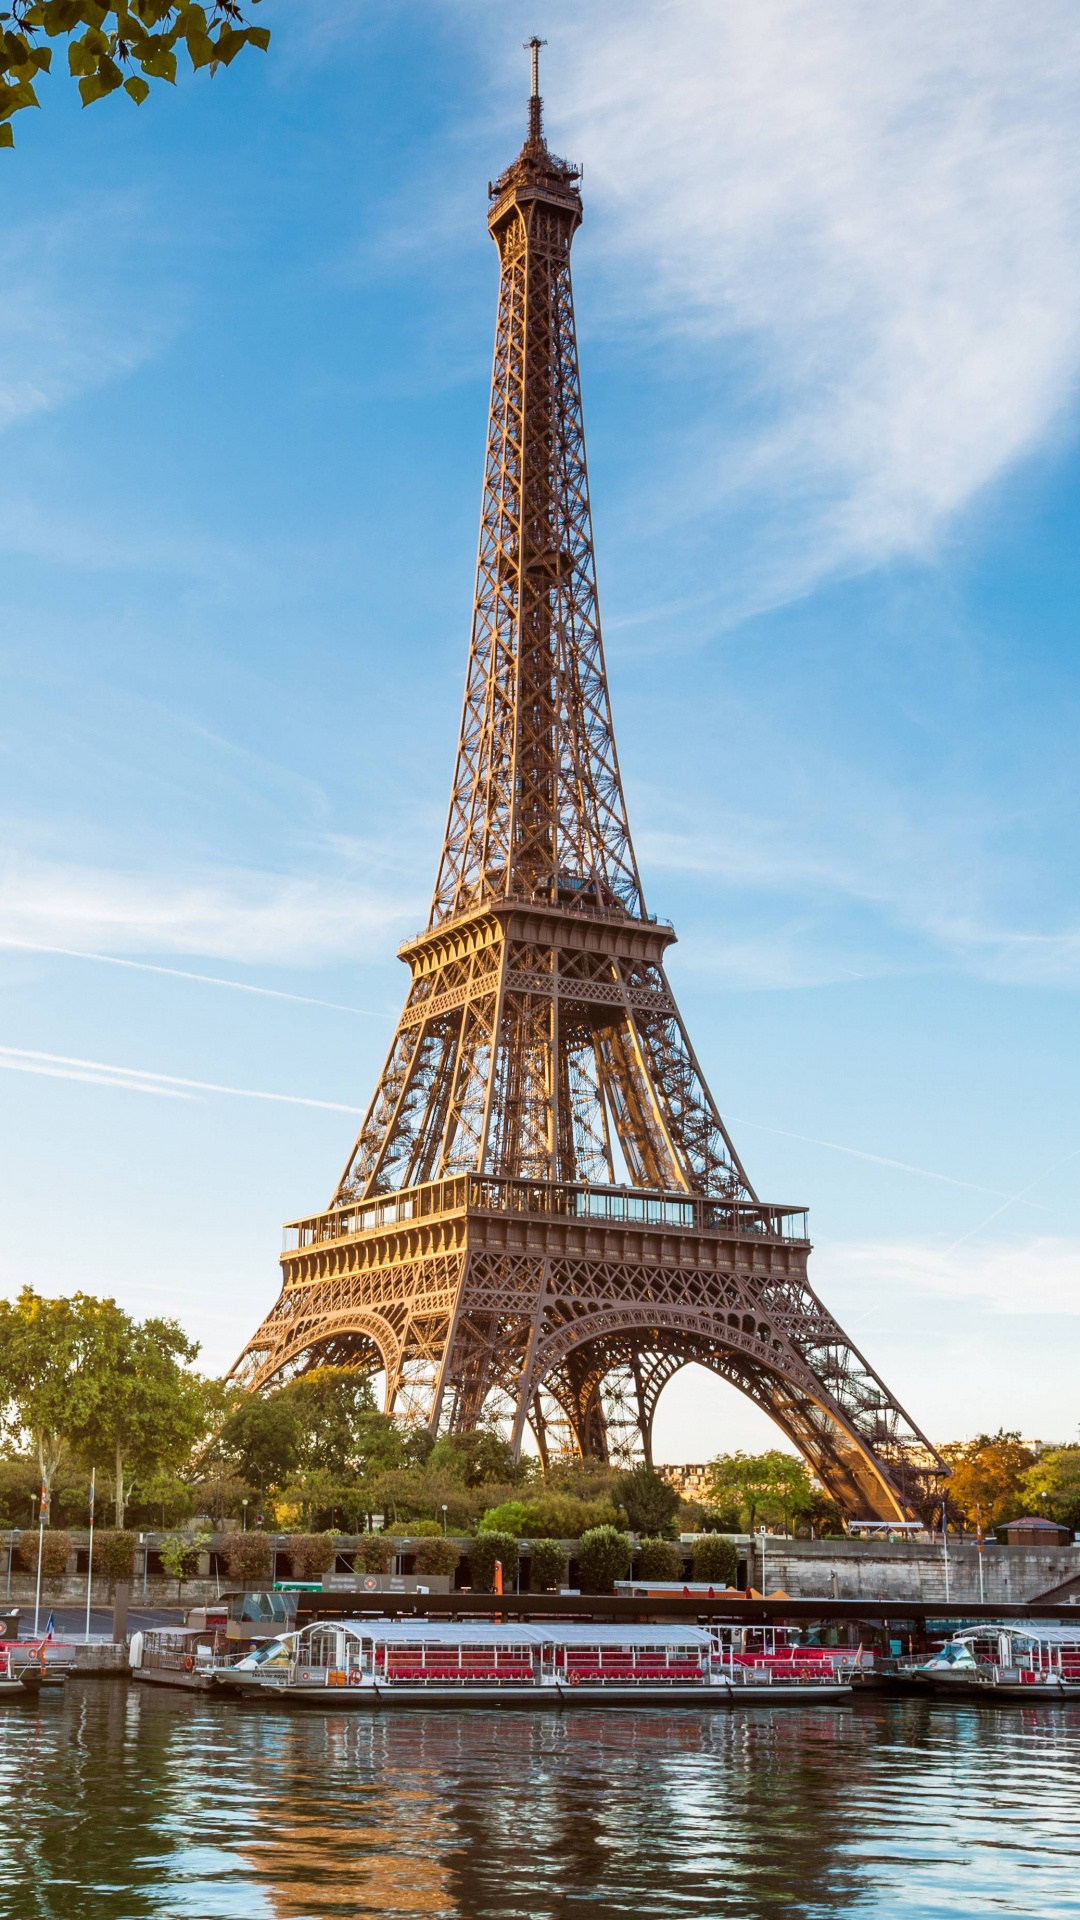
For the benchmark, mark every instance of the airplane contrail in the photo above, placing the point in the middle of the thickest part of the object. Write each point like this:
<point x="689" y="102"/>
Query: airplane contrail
<point x="181" y="973"/>
<point x="63" y="1066"/>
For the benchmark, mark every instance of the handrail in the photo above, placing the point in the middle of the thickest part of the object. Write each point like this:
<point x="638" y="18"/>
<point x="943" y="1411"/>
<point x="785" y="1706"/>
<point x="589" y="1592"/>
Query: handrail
<point x="497" y="1193"/>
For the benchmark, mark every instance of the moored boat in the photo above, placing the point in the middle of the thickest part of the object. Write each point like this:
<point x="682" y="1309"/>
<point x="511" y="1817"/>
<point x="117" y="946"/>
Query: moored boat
<point x="371" y="1663"/>
<point x="1037" y="1662"/>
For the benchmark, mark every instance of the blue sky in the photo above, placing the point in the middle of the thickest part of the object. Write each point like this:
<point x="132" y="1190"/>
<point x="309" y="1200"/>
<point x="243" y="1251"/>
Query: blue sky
<point x="828" y="294"/>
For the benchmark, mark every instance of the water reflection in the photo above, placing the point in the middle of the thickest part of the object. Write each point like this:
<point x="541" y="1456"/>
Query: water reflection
<point x="134" y="1803"/>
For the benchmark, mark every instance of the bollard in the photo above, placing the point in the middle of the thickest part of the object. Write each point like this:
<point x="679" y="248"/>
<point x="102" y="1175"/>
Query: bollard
<point x="120" y="1612"/>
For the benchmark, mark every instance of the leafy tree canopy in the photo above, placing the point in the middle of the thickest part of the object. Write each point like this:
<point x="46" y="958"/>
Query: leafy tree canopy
<point x="649" y="1502"/>
<point x="109" y="48"/>
<point x="770" y="1487"/>
<point x="1052" y="1485"/>
<point x="987" y="1477"/>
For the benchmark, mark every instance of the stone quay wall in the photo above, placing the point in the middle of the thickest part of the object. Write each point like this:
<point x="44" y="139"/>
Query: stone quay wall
<point x="908" y="1570"/>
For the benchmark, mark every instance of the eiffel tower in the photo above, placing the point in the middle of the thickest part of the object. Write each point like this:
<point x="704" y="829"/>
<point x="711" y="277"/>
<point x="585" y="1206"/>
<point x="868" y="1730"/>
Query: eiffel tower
<point x="544" y="1217"/>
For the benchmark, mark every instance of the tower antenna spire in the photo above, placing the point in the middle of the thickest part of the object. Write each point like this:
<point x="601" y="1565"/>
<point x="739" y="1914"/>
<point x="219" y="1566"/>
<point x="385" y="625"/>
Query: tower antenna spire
<point x="536" y="105"/>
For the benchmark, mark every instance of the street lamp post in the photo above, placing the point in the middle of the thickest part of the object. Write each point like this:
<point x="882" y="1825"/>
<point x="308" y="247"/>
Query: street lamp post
<point x="761" y="1530"/>
<point x="244" y="1504"/>
<point x="444" y="1518"/>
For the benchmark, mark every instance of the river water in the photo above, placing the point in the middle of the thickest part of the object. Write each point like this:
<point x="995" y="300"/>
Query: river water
<point x="123" y="1801"/>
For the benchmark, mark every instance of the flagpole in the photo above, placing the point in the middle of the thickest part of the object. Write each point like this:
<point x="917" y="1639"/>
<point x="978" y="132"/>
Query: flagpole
<point x="40" y="1546"/>
<point x="90" y="1560"/>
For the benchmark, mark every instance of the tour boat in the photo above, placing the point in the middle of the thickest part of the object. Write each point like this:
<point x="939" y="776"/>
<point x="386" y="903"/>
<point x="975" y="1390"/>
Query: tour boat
<point x="357" y="1663"/>
<point x="1010" y="1661"/>
<point x="184" y="1657"/>
<point x="20" y="1678"/>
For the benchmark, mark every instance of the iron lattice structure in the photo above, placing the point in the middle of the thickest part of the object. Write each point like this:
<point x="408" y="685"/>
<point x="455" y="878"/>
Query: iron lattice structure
<point x="544" y="1217"/>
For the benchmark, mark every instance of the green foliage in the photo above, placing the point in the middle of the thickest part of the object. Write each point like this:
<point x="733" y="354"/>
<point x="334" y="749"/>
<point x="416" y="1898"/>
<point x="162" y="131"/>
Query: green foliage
<point x="715" y="1559"/>
<point x="547" y="1566"/>
<point x="659" y="1560"/>
<point x="81" y="1374"/>
<point x="485" y="1550"/>
<point x="551" y="1516"/>
<point x="377" y="1554"/>
<point x="55" y="1553"/>
<point x="773" y="1487"/>
<point x="437" y="1556"/>
<point x="1052" y="1485"/>
<point x="312" y="1554"/>
<point x="112" y="48"/>
<point x="604" y="1556"/>
<point x="180" y="1554"/>
<point x="114" y="1554"/>
<point x="249" y="1558"/>
<point x="20" y="1488"/>
<point x="988" y="1477"/>
<point x="323" y="1422"/>
<point x="649" y="1502"/>
<point x="513" y="1517"/>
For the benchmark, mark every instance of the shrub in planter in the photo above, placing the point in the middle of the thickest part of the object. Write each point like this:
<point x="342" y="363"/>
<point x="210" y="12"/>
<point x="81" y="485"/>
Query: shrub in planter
<point x="55" y="1553"/>
<point x="715" y="1559"/>
<point x="376" y="1555"/>
<point x="659" y="1560"/>
<point x="424" y="1530"/>
<point x="437" y="1556"/>
<point x="604" y="1556"/>
<point x="548" y="1568"/>
<point x="312" y="1554"/>
<point x="180" y="1555"/>
<point x="114" y="1555"/>
<point x="485" y="1550"/>
<point x="249" y="1557"/>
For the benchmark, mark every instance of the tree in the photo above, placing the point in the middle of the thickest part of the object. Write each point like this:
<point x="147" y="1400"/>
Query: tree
<point x="139" y="38"/>
<point x="715" y="1559"/>
<point x="659" y="1560"/>
<point x="1052" y="1485"/>
<point x="180" y="1554"/>
<point x="773" y="1487"/>
<point x="141" y="1408"/>
<point x="547" y="1565"/>
<point x="987" y="1477"/>
<point x="485" y="1550"/>
<point x="46" y="1373"/>
<point x="604" y="1556"/>
<point x="649" y="1501"/>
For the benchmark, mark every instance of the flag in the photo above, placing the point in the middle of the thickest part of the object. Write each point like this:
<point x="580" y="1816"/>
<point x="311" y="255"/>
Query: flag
<point x="44" y="1507"/>
<point x="49" y="1626"/>
<point x="93" y="1476"/>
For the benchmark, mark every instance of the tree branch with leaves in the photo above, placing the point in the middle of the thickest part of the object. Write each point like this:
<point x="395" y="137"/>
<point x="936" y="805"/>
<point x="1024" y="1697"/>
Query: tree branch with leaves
<point x="114" y="48"/>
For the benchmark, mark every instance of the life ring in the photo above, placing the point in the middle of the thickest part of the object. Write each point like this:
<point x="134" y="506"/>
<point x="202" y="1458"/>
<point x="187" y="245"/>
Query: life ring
<point x="189" y="1664"/>
<point x="370" y="1584"/>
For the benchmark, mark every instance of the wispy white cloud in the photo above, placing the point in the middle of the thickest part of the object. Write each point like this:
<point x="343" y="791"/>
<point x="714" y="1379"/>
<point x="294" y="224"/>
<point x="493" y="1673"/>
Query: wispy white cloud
<point x="59" y="1066"/>
<point x="1039" y="1275"/>
<point x="877" y="210"/>
<point x="182" y="973"/>
<point x="229" y="914"/>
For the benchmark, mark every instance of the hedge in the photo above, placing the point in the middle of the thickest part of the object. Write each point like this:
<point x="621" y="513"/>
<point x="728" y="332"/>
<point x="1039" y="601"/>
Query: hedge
<point x="249" y="1556"/>
<point x="485" y="1550"/>
<point x="604" y="1556"/>
<point x="548" y="1568"/>
<point x="114" y="1555"/>
<point x="659" y="1560"/>
<point x="437" y="1556"/>
<point x="312" y="1554"/>
<point x="715" y="1559"/>
<point x="55" y="1553"/>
